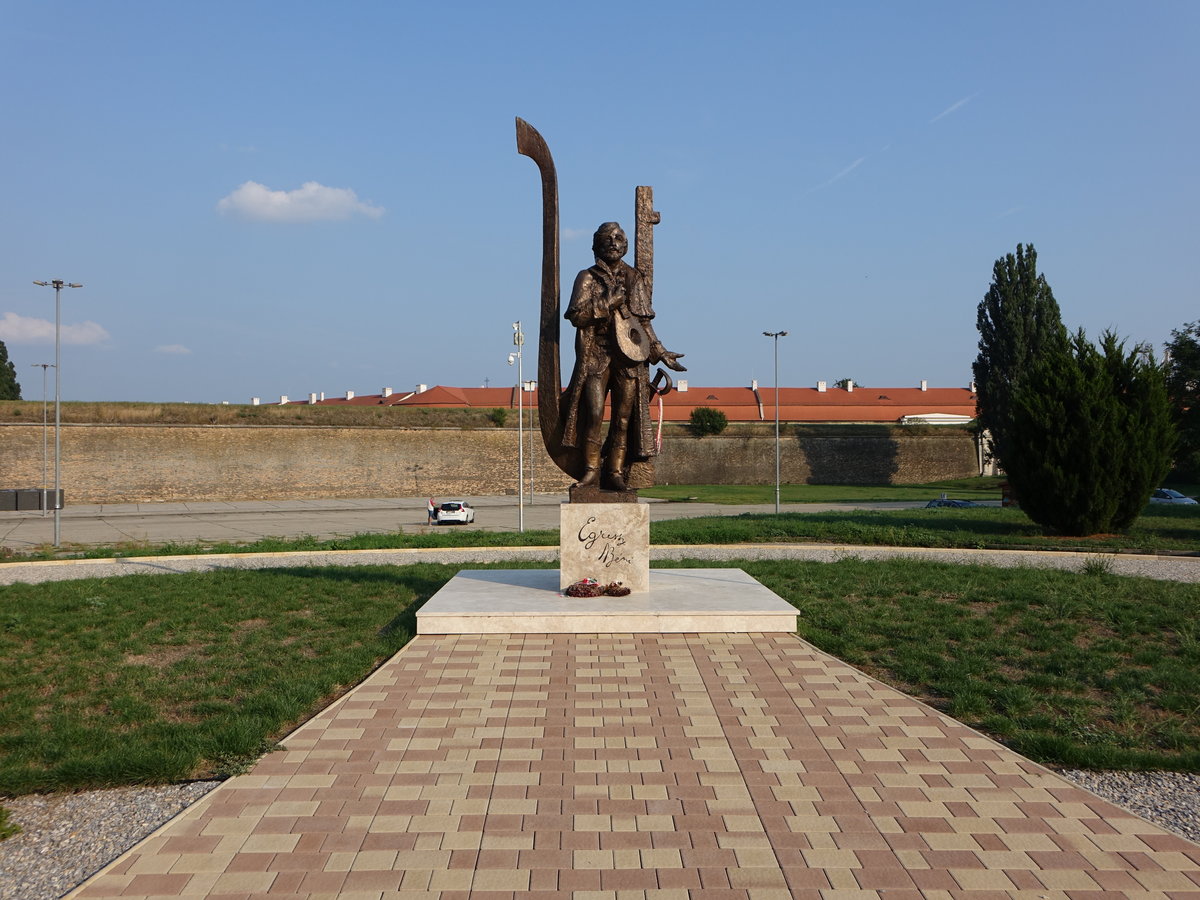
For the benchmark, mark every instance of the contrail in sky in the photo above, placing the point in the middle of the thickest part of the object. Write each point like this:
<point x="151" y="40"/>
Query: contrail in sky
<point x="954" y="107"/>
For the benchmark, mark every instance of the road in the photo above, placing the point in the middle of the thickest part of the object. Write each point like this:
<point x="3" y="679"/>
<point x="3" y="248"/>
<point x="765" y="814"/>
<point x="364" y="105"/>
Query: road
<point x="243" y="521"/>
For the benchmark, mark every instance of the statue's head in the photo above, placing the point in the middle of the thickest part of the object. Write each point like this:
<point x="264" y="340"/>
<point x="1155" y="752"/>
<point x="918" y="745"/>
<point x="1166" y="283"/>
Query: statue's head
<point x="609" y="243"/>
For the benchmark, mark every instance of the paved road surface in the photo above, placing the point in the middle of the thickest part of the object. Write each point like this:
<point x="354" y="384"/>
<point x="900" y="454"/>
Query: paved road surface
<point x="158" y="523"/>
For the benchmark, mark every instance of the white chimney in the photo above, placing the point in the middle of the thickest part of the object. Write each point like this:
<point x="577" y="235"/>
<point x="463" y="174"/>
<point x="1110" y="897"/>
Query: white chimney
<point x="312" y="398"/>
<point x="387" y="392"/>
<point x="322" y="395"/>
<point x="422" y="388"/>
<point x="822" y="387"/>
<point x="283" y="399"/>
<point x="849" y="385"/>
<point x="349" y="395"/>
<point x="754" y="384"/>
<point x="254" y="401"/>
<point x="924" y="385"/>
<point x="681" y="385"/>
<point x="972" y="387"/>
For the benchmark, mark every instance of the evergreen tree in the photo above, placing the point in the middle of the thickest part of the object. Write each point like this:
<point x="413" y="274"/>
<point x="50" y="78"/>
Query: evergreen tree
<point x="1018" y="321"/>
<point x="1090" y="436"/>
<point x="9" y="388"/>
<point x="706" y="420"/>
<point x="1183" y="387"/>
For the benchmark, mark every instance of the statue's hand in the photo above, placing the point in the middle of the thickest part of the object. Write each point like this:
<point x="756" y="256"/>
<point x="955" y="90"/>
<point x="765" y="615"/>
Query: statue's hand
<point x="671" y="361"/>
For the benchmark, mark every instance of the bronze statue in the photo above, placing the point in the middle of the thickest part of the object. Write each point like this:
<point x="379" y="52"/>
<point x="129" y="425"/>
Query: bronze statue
<point x="615" y="345"/>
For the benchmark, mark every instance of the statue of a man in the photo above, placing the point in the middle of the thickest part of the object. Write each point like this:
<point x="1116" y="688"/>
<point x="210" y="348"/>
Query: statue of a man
<point x="615" y="346"/>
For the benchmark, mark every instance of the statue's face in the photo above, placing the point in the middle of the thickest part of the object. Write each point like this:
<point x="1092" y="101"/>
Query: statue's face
<point x="610" y="245"/>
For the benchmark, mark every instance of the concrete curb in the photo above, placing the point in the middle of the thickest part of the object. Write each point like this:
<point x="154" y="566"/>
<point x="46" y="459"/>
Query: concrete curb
<point x="1172" y="568"/>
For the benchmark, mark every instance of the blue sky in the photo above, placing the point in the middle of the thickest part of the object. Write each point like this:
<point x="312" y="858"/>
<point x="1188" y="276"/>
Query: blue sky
<point x="268" y="198"/>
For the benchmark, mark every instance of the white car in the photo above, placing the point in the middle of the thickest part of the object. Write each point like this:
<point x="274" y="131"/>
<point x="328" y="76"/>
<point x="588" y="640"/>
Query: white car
<point x="1166" y="495"/>
<point x="455" y="511"/>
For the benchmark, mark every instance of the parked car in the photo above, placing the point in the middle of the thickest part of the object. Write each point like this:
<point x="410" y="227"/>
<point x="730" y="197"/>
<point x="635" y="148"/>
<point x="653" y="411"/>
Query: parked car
<point x="1166" y="495"/>
<point x="459" y="511"/>
<point x="953" y="504"/>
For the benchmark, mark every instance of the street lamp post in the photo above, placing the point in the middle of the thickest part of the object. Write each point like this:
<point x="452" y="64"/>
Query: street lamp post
<point x="58" y="284"/>
<point x="45" y="430"/>
<point x="519" y="341"/>
<point x="776" y="335"/>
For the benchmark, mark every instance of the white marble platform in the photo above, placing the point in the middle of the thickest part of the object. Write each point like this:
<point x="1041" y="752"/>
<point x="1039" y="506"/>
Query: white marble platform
<point x="528" y="601"/>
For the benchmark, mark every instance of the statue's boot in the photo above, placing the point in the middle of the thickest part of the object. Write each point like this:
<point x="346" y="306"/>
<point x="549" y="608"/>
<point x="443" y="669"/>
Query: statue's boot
<point x="613" y="479"/>
<point x="591" y="456"/>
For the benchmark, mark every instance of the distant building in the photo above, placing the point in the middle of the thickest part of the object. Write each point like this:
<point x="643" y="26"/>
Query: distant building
<point x="816" y="405"/>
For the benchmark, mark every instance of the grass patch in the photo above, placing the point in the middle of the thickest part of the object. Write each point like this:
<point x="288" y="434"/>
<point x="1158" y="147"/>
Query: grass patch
<point x="983" y="488"/>
<point x="1159" y="529"/>
<point x="371" y="416"/>
<point x="7" y="826"/>
<point x="163" y="678"/>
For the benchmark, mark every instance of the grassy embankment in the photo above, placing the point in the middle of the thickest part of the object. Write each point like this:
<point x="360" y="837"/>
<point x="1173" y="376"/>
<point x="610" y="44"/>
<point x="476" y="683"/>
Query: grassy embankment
<point x="977" y="489"/>
<point x="162" y="678"/>
<point x="79" y="413"/>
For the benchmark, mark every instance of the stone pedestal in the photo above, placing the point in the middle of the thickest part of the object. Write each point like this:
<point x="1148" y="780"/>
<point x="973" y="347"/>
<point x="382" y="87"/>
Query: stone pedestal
<point x="607" y="542"/>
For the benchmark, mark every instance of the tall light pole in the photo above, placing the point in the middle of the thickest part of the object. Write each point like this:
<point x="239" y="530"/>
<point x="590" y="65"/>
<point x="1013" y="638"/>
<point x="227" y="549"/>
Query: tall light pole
<point x="776" y="335"/>
<point x="58" y="284"/>
<point x="45" y="446"/>
<point x="519" y="341"/>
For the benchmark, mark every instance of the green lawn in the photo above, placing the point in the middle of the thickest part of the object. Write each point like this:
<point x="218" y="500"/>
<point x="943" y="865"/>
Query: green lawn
<point x="956" y="488"/>
<point x="1159" y="529"/>
<point x="160" y="678"/>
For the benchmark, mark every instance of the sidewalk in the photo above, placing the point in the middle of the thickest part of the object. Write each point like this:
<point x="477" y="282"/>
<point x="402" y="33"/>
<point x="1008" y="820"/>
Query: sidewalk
<point x="655" y="767"/>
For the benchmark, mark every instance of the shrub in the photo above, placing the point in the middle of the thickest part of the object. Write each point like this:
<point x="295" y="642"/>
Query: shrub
<point x="498" y="417"/>
<point x="1092" y="436"/>
<point x="706" y="420"/>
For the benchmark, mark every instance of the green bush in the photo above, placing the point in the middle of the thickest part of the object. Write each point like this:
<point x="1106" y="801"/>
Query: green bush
<point x="1092" y="436"/>
<point x="498" y="417"/>
<point x="706" y="420"/>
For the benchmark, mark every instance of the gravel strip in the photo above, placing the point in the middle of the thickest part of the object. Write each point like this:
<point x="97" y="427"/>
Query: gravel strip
<point x="61" y="846"/>
<point x="65" y="838"/>
<point x="1169" y="799"/>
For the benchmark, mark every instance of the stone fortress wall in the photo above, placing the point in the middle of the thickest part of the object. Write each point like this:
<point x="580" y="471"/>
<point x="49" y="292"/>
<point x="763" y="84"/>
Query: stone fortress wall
<point x="141" y="463"/>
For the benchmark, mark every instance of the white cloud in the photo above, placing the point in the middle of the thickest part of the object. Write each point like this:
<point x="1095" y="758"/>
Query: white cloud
<point x="573" y="234"/>
<point x="954" y="107"/>
<point x="311" y="202"/>
<point x="172" y="349"/>
<point x="26" y="330"/>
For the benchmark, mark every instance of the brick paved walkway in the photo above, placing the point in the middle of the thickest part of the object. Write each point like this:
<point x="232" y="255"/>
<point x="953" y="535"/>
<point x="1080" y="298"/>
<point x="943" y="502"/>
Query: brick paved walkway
<point x="609" y="767"/>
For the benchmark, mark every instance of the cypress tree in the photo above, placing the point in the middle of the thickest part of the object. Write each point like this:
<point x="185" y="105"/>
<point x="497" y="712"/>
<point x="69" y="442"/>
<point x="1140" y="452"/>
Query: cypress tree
<point x="1019" y="322"/>
<point x="1090" y="435"/>
<point x="9" y="388"/>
